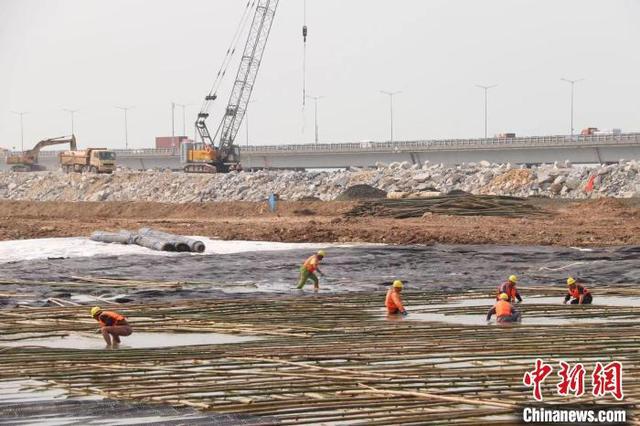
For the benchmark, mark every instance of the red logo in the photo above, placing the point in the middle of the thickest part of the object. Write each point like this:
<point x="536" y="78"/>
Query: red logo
<point x="572" y="379"/>
<point x="605" y="379"/>
<point x="536" y="377"/>
<point x="608" y="379"/>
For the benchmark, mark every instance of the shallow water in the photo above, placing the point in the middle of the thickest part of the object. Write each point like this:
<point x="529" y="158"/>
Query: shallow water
<point x="135" y="341"/>
<point x="29" y="402"/>
<point x="481" y="320"/>
<point x="426" y="312"/>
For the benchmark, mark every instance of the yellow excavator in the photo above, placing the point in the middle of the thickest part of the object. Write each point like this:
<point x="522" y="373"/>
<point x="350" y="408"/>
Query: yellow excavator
<point x="27" y="161"/>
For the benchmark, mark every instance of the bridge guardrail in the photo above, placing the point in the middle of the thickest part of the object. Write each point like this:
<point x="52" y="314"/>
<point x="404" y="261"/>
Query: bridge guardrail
<point x="400" y="146"/>
<point x="448" y="144"/>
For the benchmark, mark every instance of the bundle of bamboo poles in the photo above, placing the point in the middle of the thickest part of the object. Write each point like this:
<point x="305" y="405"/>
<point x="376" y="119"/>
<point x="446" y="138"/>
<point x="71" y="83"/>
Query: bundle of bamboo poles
<point x="326" y="359"/>
<point x="456" y="204"/>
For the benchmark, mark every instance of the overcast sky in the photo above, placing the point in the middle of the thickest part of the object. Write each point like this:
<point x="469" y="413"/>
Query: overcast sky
<point x="92" y="55"/>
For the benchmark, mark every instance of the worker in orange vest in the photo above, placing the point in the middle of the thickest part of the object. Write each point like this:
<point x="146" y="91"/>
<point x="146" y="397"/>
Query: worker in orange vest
<point x="509" y="288"/>
<point x="112" y="325"/>
<point x="579" y="293"/>
<point x="309" y="268"/>
<point x="504" y="310"/>
<point x="393" y="302"/>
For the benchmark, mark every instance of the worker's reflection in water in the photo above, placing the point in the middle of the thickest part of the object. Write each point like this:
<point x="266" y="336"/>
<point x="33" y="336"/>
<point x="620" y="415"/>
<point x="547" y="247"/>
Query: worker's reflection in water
<point x="112" y="325"/>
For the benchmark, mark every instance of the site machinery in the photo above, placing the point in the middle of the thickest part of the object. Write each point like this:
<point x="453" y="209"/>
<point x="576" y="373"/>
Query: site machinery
<point x="90" y="160"/>
<point x="206" y="157"/>
<point x="27" y="161"/>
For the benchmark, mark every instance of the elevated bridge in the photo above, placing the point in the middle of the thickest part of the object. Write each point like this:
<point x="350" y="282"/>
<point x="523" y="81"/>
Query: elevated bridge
<point x="524" y="150"/>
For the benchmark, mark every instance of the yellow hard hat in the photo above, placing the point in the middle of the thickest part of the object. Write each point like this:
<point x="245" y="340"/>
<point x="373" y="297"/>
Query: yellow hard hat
<point x="571" y="281"/>
<point x="322" y="253"/>
<point x="513" y="279"/>
<point x="95" y="310"/>
<point x="504" y="296"/>
<point x="398" y="284"/>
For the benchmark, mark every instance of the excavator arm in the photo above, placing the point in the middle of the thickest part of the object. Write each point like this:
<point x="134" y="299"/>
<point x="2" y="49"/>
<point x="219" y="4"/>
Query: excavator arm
<point x="33" y="152"/>
<point x="28" y="160"/>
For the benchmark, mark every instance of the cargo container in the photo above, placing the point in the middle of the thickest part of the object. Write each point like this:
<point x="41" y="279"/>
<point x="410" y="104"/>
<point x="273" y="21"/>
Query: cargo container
<point x="174" y="142"/>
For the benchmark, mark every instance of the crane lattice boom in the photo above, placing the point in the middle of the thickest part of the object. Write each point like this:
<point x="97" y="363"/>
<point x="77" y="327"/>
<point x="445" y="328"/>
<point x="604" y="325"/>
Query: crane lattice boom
<point x="243" y="84"/>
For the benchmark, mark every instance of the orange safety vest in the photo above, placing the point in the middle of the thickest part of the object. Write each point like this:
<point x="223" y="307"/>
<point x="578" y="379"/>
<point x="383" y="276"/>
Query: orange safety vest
<point x="509" y="288"/>
<point x="311" y="264"/>
<point x="393" y="301"/>
<point x="575" y="293"/>
<point x="114" y="316"/>
<point x="503" y="308"/>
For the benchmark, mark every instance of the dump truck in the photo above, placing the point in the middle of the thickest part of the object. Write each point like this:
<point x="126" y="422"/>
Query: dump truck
<point x="93" y="160"/>
<point x="27" y="161"/>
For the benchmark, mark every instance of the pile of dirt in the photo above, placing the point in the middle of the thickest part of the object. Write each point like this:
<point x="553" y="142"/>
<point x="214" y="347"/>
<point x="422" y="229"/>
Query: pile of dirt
<point x="361" y="192"/>
<point x="588" y="223"/>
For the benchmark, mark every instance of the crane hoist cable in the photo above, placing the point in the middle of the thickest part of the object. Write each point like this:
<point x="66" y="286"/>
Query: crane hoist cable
<point x="304" y="55"/>
<point x="231" y="50"/>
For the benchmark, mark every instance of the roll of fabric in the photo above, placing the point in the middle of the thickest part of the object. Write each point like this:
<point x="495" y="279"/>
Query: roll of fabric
<point x="181" y="243"/>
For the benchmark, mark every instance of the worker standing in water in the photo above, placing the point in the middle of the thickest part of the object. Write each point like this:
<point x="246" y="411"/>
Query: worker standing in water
<point x="509" y="288"/>
<point x="309" y="268"/>
<point x="393" y="301"/>
<point x="504" y="310"/>
<point x="578" y="294"/>
<point x="112" y="325"/>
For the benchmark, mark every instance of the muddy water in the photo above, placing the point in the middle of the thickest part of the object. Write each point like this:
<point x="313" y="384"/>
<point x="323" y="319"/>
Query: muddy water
<point x="30" y="402"/>
<point x="347" y="268"/>
<point x="431" y="312"/>
<point x="135" y="341"/>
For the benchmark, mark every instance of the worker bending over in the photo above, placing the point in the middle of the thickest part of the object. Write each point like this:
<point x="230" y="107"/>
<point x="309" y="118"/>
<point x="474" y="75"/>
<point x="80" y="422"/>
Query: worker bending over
<point x="309" y="268"/>
<point x="579" y="293"/>
<point x="112" y="325"/>
<point x="393" y="302"/>
<point x="509" y="288"/>
<point x="504" y="310"/>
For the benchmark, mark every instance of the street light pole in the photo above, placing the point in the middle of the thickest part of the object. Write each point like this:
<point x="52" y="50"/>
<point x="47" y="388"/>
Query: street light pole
<point x="486" y="105"/>
<point x="390" y="94"/>
<point x="126" y="127"/>
<point x="72" y="112"/>
<point x="573" y="83"/>
<point x="173" y="119"/>
<point x="21" y="114"/>
<point x="315" y="100"/>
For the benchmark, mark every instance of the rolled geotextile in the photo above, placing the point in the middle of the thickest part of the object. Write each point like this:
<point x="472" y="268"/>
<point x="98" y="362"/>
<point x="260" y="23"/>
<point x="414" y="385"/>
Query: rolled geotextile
<point x="153" y="243"/>
<point x="181" y="243"/>
<point x="122" y="237"/>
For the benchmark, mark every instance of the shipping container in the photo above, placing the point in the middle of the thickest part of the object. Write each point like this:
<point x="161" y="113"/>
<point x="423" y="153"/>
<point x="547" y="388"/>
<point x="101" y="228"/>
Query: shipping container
<point x="164" y="142"/>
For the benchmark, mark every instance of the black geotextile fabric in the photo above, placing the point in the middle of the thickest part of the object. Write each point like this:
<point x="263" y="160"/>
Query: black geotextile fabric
<point x="105" y="412"/>
<point x="445" y="267"/>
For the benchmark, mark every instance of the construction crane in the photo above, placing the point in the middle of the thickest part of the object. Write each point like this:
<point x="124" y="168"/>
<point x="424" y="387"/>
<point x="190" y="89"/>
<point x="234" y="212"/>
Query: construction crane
<point x="206" y="157"/>
<point x="28" y="161"/>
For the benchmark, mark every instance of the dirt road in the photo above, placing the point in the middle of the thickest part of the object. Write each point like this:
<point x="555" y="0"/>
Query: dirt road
<point x="603" y="222"/>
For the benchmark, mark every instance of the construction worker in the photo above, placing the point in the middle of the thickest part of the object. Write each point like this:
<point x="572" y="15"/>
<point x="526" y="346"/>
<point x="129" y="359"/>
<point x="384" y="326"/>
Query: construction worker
<point x="504" y="310"/>
<point x="393" y="302"/>
<point x="309" y="268"/>
<point x="579" y="293"/>
<point x="112" y="325"/>
<point x="509" y="287"/>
